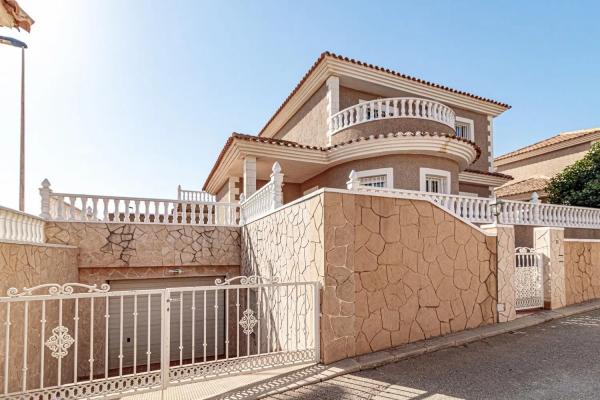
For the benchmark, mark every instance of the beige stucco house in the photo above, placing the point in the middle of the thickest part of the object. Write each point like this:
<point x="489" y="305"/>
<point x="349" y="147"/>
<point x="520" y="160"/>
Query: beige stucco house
<point x="359" y="219"/>
<point x="532" y="166"/>
<point x="396" y="131"/>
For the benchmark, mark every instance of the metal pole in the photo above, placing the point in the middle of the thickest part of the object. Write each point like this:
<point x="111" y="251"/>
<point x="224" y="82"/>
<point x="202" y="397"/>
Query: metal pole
<point x="22" y="148"/>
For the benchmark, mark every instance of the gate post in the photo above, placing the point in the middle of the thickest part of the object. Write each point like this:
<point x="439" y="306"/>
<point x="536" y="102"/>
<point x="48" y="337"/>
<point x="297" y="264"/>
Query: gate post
<point x="549" y="243"/>
<point x="505" y="269"/>
<point x="165" y="348"/>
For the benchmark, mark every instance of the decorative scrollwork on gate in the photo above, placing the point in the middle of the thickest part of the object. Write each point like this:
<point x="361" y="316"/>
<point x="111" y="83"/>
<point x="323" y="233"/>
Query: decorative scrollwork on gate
<point x="60" y="341"/>
<point x="246" y="280"/>
<point x="248" y="321"/>
<point x="56" y="289"/>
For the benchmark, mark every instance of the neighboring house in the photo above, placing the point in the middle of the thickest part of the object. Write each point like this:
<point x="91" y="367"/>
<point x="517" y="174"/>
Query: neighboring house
<point x="533" y="166"/>
<point x="396" y="131"/>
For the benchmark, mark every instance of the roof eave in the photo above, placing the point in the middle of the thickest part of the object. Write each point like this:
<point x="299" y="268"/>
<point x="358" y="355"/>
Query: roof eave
<point x="329" y="64"/>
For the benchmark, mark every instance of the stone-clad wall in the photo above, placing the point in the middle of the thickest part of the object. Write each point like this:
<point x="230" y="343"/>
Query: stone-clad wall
<point x="393" y="271"/>
<point x="138" y="245"/>
<point x="29" y="265"/>
<point x="582" y="270"/>
<point x="418" y="273"/>
<point x="288" y="245"/>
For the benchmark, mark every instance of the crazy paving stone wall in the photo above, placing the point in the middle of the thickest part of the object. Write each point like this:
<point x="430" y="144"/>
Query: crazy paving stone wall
<point x="417" y="272"/>
<point x="25" y="266"/>
<point x="393" y="271"/>
<point x="137" y="245"/>
<point x="582" y="271"/>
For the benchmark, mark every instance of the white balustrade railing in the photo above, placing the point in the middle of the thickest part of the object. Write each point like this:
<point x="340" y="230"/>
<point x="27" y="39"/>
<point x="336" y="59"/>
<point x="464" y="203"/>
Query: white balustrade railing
<point x="397" y="107"/>
<point x="16" y="226"/>
<point x="511" y="212"/>
<point x="195" y="195"/>
<point x="95" y="208"/>
<point x="267" y="198"/>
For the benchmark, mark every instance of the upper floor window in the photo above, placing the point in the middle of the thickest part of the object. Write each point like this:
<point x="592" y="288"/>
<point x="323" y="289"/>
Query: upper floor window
<point x="434" y="180"/>
<point x="465" y="128"/>
<point x="379" y="178"/>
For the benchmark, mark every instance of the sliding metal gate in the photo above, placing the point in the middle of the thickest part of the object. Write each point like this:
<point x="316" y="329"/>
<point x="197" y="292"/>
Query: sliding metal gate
<point x="55" y="341"/>
<point x="529" y="284"/>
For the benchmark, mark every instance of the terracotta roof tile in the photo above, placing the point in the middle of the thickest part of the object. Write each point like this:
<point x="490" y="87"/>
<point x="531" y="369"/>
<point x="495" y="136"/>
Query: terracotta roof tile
<point x="498" y="174"/>
<point x="375" y="67"/>
<point x="561" y="137"/>
<point x="536" y="184"/>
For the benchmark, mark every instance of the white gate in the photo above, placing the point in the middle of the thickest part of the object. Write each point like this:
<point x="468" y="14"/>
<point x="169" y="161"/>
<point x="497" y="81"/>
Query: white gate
<point x="55" y="341"/>
<point x="529" y="281"/>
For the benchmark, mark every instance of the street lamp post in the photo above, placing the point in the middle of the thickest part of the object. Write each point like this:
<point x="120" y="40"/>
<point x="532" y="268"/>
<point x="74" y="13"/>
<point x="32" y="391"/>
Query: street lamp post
<point x="17" y="43"/>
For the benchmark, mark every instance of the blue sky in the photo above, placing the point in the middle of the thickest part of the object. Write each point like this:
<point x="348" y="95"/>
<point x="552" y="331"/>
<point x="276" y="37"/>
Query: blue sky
<point x="135" y="97"/>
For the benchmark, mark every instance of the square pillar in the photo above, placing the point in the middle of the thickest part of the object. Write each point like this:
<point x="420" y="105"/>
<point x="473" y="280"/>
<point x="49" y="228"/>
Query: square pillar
<point x="233" y="189"/>
<point x="249" y="176"/>
<point x="549" y="244"/>
<point x="506" y="269"/>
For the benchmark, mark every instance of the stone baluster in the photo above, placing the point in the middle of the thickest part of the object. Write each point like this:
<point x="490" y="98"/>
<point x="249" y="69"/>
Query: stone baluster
<point x="136" y="211"/>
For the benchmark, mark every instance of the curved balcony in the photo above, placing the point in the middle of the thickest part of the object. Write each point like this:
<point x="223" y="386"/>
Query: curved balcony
<point x="391" y="108"/>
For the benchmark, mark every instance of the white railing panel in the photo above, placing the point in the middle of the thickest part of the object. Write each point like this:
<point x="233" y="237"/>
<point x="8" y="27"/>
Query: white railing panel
<point x="57" y="343"/>
<point x="195" y="195"/>
<point x="94" y="208"/>
<point x="480" y="210"/>
<point x="18" y="226"/>
<point x="396" y="107"/>
<point x="267" y="198"/>
<point x="76" y="341"/>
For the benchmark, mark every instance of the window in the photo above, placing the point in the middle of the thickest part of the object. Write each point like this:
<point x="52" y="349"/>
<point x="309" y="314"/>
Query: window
<point x="465" y="128"/>
<point x="374" y="181"/>
<point x="435" y="184"/>
<point x="379" y="178"/>
<point x="435" y="180"/>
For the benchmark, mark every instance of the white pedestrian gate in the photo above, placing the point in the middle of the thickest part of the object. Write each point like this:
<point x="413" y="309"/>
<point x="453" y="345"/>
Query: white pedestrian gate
<point x="529" y="279"/>
<point x="57" y="343"/>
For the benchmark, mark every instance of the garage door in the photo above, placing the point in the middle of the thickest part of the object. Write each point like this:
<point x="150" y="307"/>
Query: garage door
<point x="183" y="318"/>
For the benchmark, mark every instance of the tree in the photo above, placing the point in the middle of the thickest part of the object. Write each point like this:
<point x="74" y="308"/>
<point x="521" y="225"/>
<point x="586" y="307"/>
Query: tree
<point x="578" y="184"/>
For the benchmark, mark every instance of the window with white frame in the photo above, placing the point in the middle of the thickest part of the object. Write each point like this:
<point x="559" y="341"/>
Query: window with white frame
<point x="379" y="178"/>
<point x="465" y="128"/>
<point x="435" y="180"/>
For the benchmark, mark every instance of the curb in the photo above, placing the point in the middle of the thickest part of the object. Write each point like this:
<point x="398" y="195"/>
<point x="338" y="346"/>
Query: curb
<point x="380" y="358"/>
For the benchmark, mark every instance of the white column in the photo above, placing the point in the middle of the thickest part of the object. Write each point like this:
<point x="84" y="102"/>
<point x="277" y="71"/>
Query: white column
<point x="333" y="102"/>
<point x="490" y="143"/>
<point x="249" y="176"/>
<point x="333" y="95"/>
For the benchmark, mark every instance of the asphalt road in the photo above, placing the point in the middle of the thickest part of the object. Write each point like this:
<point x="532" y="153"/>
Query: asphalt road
<point x="556" y="360"/>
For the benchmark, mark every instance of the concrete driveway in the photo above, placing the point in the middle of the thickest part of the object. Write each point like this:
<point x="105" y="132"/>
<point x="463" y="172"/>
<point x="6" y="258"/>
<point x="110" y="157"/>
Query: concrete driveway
<point x="555" y="360"/>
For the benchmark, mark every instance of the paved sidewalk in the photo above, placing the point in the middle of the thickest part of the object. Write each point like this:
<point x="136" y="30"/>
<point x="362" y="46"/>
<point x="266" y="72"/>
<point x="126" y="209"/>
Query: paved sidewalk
<point x="361" y="385"/>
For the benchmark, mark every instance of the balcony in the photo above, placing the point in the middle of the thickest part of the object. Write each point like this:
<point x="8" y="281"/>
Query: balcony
<point x="431" y="113"/>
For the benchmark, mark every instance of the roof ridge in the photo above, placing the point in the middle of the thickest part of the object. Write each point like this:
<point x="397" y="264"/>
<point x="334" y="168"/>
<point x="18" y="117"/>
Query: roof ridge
<point x="326" y="54"/>
<point x="549" y="142"/>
